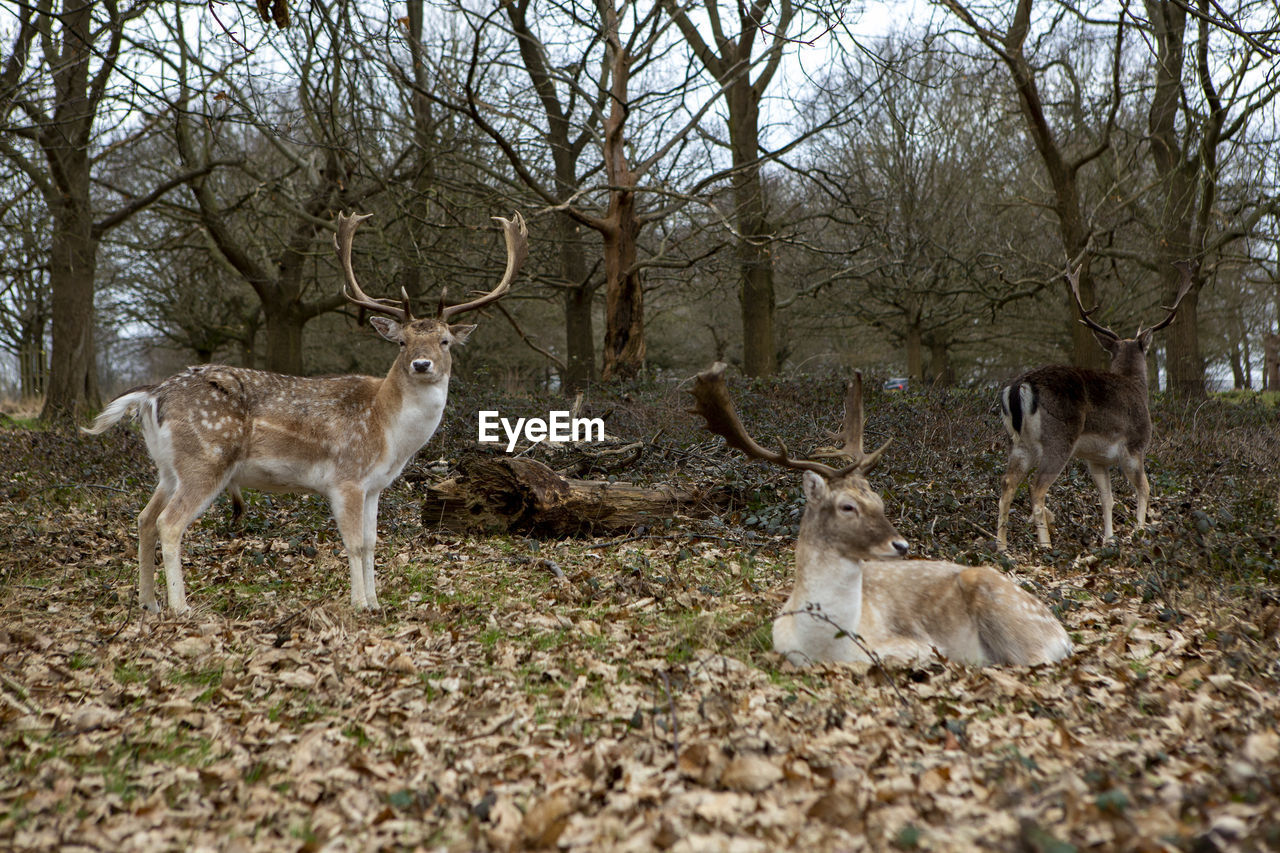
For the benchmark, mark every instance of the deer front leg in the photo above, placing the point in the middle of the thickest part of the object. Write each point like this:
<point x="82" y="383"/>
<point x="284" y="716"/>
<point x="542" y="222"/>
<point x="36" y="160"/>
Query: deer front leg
<point x="1102" y="478"/>
<point x="348" y="510"/>
<point x="370" y="545"/>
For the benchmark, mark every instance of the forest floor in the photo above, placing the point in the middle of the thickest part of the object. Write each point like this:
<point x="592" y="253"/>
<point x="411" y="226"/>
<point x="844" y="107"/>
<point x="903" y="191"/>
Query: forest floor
<point x="618" y="691"/>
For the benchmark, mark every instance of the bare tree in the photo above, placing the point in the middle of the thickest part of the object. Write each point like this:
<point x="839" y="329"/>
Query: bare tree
<point x="24" y="288"/>
<point x="51" y="100"/>
<point x="920" y="209"/>
<point x="1197" y="115"/>
<point x="275" y="246"/>
<point x="1006" y="33"/>
<point x="586" y="84"/>
<point x="728" y="56"/>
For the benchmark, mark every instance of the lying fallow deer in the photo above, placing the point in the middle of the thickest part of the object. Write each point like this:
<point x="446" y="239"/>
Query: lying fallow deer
<point x="848" y="573"/>
<point x="1056" y="412"/>
<point x="212" y="428"/>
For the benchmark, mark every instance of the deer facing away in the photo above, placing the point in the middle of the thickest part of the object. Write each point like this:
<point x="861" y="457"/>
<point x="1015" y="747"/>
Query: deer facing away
<point x="1058" y="412"/>
<point x="850" y="578"/>
<point x="347" y="438"/>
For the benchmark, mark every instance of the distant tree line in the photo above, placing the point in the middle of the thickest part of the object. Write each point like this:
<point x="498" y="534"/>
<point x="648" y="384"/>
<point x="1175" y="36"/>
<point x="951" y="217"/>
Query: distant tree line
<point x="753" y="181"/>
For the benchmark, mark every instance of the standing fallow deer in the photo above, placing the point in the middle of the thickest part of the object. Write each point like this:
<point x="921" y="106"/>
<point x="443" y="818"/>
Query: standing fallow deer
<point x="212" y="428"/>
<point x="850" y="580"/>
<point x="1056" y="412"/>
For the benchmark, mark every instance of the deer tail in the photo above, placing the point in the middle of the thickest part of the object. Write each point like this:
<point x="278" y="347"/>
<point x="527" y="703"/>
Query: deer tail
<point x="126" y="405"/>
<point x="1018" y="401"/>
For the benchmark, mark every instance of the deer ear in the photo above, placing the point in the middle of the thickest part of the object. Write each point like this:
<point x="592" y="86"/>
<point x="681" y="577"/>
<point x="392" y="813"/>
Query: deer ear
<point x="1144" y="339"/>
<point x="815" y="487"/>
<point x="388" y="328"/>
<point x="461" y="333"/>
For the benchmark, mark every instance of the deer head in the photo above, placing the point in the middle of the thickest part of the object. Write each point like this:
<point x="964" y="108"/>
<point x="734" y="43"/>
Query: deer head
<point x="1128" y="354"/>
<point x="425" y="342"/>
<point x="841" y="512"/>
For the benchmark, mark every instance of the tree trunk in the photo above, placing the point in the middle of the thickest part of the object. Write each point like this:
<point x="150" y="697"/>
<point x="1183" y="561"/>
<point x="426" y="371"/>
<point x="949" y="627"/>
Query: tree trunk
<point x="73" y="253"/>
<point x="33" y="358"/>
<point x="624" y="347"/>
<point x="73" y="256"/>
<point x="940" y="359"/>
<point x="1271" y="362"/>
<point x="579" y="325"/>
<point x="284" y="340"/>
<point x="1238" y="372"/>
<point x="1178" y="171"/>
<point x="915" y="353"/>
<point x="754" y="253"/>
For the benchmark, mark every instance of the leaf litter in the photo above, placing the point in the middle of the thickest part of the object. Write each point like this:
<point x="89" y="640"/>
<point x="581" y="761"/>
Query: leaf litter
<point x="631" y="704"/>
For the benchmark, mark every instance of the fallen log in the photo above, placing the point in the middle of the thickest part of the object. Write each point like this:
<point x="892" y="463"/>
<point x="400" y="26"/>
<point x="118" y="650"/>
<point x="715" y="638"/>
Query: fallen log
<point x="503" y="493"/>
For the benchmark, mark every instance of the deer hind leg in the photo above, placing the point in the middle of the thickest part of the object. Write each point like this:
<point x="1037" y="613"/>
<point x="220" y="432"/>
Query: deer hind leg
<point x="147" y="547"/>
<point x="1135" y="472"/>
<point x="189" y="500"/>
<point x="1048" y="471"/>
<point x="1015" y="471"/>
<point x="1101" y="475"/>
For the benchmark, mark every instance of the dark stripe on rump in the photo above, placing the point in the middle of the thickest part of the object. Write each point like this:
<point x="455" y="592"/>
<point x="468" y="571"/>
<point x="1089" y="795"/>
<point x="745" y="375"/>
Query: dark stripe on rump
<point x="1015" y="407"/>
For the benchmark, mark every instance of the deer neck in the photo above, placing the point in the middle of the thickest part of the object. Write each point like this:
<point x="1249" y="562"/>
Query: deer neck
<point x="1131" y="363"/>
<point x="410" y="410"/>
<point x="830" y="580"/>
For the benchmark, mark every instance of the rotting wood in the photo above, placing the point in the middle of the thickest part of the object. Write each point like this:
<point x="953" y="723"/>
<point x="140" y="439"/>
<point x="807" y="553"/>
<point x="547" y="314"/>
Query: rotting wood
<point x="523" y="495"/>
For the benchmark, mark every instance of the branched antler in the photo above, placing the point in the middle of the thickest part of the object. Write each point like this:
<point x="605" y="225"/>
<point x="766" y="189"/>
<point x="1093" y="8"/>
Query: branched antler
<point x="714" y="404"/>
<point x="1074" y="279"/>
<point x="351" y="289"/>
<point x="1188" y="274"/>
<point x="1185" y="267"/>
<point x="517" y="236"/>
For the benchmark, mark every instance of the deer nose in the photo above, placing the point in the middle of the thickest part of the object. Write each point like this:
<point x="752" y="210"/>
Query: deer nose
<point x="901" y="546"/>
<point x="422" y="365"/>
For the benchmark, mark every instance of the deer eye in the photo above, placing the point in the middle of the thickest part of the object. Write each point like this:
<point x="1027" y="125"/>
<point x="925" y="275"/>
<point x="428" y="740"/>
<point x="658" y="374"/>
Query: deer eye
<point x="402" y="345"/>
<point x="848" y="507"/>
<point x="444" y="343"/>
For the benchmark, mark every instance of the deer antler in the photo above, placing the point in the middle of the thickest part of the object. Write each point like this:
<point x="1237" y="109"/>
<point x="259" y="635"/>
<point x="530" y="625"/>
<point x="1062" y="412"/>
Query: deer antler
<point x="714" y="404"/>
<point x="517" y="237"/>
<point x="851" y="431"/>
<point x="1074" y="279"/>
<point x="347" y="226"/>
<point x="1188" y="273"/>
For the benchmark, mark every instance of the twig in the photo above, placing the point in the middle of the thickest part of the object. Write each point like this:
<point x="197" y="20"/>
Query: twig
<point x="661" y="536"/>
<point x="551" y="566"/>
<point x="492" y="730"/>
<point x="814" y="611"/>
<point x="978" y="527"/>
<point x="85" y="486"/>
<point x="550" y="356"/>
<point x="671" y="712"/>
<point x="20" y="693"/>
<point x="212" y="4"/>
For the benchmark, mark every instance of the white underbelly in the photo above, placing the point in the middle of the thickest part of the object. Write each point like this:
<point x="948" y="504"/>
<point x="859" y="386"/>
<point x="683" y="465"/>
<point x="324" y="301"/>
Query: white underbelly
<point x="1100" y="450"/>
<point x="280" y="475"/>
